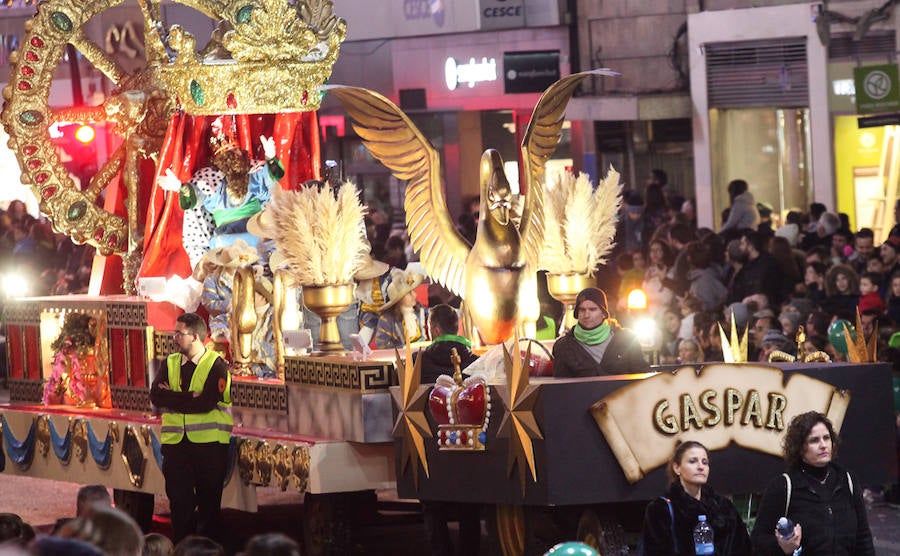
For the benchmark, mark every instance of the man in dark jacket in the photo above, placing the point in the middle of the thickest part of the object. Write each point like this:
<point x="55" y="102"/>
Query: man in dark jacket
<point x="596" y="345"/>
<point x="759" y="274"/>
<point x="443" y="325"/>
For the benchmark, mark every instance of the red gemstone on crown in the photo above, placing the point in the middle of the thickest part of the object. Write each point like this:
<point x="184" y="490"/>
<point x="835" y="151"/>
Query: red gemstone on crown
<point x="37" y="42"/>
<point x="27" y="71"/>
<point x="29" y="149"/>
<point x="42" y="177"/>
<point x="48" y="192"/>
<point x="34" y="163"/>
<point x="98" y="234"/>
<point x="31" y="56"/>
<point x="24" y="86"/>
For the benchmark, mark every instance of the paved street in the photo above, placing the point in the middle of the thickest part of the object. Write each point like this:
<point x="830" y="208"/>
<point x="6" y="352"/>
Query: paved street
<point x="41" y="502"/>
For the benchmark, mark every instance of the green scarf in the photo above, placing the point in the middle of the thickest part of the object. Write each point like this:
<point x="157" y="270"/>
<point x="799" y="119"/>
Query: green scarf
<point x="593" y="336"/>
<point x="453" y="338"/>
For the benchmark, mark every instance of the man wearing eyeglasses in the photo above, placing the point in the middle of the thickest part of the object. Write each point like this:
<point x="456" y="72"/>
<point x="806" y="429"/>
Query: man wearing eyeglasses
<point x="194" y="395"/>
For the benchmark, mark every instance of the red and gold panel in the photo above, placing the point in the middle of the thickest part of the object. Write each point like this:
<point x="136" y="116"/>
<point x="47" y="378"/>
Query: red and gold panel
<point x="32" y="353"/>
<point x="137" y="357"/>
<point x="15" y="342"/>
<point x="118" y="361"/>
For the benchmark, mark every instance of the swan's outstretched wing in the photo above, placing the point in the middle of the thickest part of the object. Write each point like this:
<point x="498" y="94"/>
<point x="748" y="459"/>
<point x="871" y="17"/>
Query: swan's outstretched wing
<point x="396" y="142"/>
<point x="538" y="145"/>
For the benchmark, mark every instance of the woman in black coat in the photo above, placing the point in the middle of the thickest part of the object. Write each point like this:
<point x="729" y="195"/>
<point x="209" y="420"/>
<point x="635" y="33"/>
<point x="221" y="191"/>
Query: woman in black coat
<point x="825" y="503"/>
<point x="669" y="520"/>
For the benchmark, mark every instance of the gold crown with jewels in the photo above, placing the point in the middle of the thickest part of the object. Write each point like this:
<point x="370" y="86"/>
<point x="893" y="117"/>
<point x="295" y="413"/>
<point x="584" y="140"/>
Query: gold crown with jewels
<point x="272" y="57"/>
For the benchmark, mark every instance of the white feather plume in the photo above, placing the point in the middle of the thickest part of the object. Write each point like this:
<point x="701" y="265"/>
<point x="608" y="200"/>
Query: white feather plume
<point x="580" y="222"/>
<point x="322" y="236"/>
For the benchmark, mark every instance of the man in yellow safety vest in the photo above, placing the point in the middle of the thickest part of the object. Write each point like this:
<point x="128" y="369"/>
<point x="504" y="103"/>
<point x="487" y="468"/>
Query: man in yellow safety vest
<point x="194" y="394"/>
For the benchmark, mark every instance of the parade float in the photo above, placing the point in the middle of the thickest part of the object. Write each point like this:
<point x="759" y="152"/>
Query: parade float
<point x="333" y="427"/>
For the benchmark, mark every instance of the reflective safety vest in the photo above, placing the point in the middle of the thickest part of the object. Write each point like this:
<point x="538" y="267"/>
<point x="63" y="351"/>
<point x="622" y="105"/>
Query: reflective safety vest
<point x="212" y="426"/>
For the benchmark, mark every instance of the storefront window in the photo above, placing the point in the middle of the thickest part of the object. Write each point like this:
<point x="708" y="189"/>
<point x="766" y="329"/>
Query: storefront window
<point x="767" y="147"/>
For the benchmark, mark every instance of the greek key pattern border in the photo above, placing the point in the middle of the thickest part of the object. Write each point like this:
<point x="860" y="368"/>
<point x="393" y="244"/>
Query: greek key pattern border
<point x="130" y="398"/>
<point x="27" y="313"/>
<point x="270" y="397"/>
<point x="21" y="390"/>
<point x="359" y="376"/>
<point x="163" y="344"/>
<point x="126" y="315"/>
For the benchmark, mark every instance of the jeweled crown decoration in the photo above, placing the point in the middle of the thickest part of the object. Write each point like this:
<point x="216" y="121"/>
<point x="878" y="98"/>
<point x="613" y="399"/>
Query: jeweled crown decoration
<point x="279" y="55"/>
<point x="462" y="410"/>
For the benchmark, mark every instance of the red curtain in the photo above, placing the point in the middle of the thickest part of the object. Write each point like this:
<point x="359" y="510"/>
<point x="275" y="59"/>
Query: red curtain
<point x="185" y="149"/>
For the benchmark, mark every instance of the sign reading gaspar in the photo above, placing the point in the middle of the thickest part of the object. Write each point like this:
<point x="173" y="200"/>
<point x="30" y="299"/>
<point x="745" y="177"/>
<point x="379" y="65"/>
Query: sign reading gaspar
<point x="749" y="405"/>
<point x="877" y="89"/>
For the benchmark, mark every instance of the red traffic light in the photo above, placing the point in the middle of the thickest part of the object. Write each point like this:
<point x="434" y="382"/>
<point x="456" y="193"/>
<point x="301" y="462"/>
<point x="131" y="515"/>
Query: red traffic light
<point x="85" y="134"/>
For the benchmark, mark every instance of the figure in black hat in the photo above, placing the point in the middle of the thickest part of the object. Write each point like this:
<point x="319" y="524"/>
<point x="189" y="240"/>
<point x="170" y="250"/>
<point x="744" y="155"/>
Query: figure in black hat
<point x="597" y="345"/>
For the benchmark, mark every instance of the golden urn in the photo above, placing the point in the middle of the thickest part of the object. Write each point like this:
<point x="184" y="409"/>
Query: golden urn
<point x="564" y="288"/>
<point x="329" y="301"/>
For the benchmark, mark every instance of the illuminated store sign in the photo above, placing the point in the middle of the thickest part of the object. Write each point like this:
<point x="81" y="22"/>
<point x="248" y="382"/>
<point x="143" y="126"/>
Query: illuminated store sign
<point x="469" y="73"/>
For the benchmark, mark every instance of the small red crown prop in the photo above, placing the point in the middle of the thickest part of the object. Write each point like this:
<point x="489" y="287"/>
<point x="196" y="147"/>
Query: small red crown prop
<point x="462" y="410"/>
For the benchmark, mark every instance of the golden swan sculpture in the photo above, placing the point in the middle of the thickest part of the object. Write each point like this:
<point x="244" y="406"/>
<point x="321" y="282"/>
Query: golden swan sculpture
<point x="491" y="275"/>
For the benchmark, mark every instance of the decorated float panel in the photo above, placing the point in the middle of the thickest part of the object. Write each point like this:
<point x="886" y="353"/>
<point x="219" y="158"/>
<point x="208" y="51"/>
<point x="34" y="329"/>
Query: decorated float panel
<point x="79" y="407"/>
<point x="558" y="442"/>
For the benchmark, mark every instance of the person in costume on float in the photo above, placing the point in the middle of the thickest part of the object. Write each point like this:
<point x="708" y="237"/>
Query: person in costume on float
<point x="371" y="289"/>
<point x="669" y="520"/>
<point x="596" y="345"/>
<point x="194" y="394"/>
<point x="219" y="199"/>
<point x="221" y="265"/>
<point x="824" y="500"/>
<point x="400" y="320"/>
<point x="217" y="268"/>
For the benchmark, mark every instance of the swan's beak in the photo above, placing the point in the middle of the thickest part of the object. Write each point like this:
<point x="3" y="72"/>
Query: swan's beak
<point x="500" y="212"/>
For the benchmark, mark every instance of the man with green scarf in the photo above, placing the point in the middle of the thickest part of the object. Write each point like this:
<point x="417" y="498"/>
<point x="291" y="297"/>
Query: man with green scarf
<point x="597" y="345"/>
<point x="443" y="325"/>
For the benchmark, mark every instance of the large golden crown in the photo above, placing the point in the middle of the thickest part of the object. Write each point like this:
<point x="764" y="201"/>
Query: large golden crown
<point x="272" y="57"/>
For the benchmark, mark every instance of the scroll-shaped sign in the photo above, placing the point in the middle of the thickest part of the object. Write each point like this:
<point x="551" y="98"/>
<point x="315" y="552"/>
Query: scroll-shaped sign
<point x="749" y="405"/>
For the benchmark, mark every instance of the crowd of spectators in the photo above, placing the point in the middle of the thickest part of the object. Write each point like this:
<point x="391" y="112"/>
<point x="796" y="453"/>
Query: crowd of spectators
<point x="773" y="276"/>
<point x="48" y="263"/>
<point x="99" y="529"/>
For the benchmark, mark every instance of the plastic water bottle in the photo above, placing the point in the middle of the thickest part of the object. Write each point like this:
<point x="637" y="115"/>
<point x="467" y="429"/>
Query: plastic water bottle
<point x="703" y="537"/>
<point x="785" y="529"/>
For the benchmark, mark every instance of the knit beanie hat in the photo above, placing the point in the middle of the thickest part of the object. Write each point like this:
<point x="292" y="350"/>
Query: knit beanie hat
<point x="741" y="314"/>
<point x="596" y="295"/>
<point x="776" y="337"/>
<point x="871" y="301"/>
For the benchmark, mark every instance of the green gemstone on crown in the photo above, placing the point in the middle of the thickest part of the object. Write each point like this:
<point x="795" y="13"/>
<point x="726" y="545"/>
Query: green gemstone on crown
<point x="61" y="21"/>
<point x="31" y="117"/>
<point x="197" y="93"/>
<point x="76" y="210"/>
<point x="243" y="14"/>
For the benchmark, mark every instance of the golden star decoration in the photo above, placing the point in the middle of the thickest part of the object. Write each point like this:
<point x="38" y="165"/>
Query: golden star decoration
<point x="734" y="350"/>
<point x="858" y="350"/>
<point x="411" y="425"/>
<point x="519" y="423"/>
